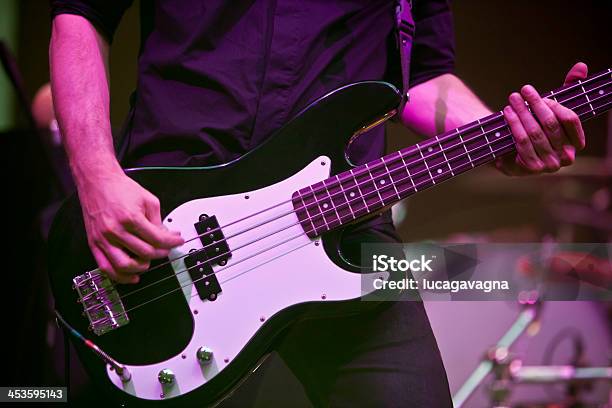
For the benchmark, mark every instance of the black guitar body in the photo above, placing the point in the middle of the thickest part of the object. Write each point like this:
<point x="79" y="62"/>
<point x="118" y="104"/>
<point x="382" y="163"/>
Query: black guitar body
<point x="324" y="128"/>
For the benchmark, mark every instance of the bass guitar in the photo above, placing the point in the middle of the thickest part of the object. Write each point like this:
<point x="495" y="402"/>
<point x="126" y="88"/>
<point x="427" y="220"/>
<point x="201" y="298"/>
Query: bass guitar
<point x="262" y="245"/>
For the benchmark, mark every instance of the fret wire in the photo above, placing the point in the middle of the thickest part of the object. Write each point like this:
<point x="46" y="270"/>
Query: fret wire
<point x="331" y="203"/>
<point x="592" y="110"/>
<point x="586" y="95"/>
<point x="360" y="192"/>
<point x="345" y="197"/>
<point x="310" y="218"/>
<point x="486" y="138"/>
<point x="374" y="183"/>
<point x="465" y="148"/>
<point x="425" y="162"/>
<point x="605" y="107"/>
<point x="319" y="205"/>
<point x="408" y="172"/>
<point x="391" y="178"/>
<point x="444" y="154"/>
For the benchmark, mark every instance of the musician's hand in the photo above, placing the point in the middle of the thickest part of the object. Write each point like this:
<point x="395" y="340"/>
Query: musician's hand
<point x="547" y="143"/>
<point x="124" y="228"/>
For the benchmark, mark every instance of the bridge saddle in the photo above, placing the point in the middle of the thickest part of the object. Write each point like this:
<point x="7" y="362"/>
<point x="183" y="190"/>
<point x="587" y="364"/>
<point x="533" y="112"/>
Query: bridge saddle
<point x="101" y="302"/>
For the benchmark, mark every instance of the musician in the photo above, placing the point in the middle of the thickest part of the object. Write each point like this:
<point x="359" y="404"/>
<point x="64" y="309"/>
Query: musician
<point x="215" y="78"/>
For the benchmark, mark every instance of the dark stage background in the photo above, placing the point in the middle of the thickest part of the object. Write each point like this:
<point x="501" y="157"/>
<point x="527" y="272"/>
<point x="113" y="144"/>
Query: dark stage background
<point x="501" y="45"/>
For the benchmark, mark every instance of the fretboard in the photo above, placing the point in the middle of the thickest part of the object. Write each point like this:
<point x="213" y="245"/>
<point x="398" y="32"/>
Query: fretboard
<point x="380" y="183"/>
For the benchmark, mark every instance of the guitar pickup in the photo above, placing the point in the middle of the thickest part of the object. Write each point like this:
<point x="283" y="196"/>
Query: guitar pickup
<point x="213" y="242"/>
<point x="101" y="302"/>
<point x="214" y="251"/>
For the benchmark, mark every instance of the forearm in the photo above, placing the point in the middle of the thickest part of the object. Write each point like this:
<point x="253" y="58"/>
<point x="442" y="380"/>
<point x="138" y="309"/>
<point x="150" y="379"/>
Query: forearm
<point x="78" y="58"/>
<point x="122" y="219"/>
<point x="440" y="104"/>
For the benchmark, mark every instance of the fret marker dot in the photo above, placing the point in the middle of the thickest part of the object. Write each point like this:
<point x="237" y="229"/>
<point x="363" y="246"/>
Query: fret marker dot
<point x="382" y="181"/>
<point x="439" y="171"/>
<point x="325" y="205"/>
<point x="497" y="134"/>
<point x="430" y="149"/>
<point x="601" y="91"/>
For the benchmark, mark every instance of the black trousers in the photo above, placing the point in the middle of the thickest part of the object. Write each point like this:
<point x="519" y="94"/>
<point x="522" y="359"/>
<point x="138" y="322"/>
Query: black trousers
<point x="385" y="356"/>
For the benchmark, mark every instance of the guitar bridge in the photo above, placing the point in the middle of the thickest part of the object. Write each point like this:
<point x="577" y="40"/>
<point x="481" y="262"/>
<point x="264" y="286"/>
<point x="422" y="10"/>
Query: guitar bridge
<point x="101" y="302"/>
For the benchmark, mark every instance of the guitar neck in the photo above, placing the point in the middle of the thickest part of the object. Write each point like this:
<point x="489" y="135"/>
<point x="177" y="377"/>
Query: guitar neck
<point x="371" y="187"/>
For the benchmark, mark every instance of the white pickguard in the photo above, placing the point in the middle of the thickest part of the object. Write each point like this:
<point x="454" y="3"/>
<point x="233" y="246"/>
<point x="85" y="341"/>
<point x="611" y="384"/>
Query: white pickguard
<point x="280" y="269"/>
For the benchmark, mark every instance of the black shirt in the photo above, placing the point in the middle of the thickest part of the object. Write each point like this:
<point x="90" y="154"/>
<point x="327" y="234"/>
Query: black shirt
<point x="215" y="78"/>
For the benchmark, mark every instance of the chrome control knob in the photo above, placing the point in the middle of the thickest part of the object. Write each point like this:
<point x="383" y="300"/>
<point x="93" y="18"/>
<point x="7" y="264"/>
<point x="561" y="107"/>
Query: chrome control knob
<point x="165" y="376"/>
<point x="204" y="355"/>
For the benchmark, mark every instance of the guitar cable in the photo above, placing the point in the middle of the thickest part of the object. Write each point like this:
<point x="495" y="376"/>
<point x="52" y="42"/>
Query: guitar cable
<point x="66" y="360"/>
<point x="121" y="370"/>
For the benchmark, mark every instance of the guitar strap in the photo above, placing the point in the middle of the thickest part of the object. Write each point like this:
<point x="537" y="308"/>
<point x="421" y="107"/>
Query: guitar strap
<point x="405" y="36"/>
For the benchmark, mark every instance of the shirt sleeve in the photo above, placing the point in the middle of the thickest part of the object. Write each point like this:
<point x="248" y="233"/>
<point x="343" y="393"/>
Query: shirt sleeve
<point x="103" y="14"/>
<point x="433" y="49"/>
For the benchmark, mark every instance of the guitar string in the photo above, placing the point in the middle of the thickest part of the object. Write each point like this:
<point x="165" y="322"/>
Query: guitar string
<point x="425" y="144"/>
<point x="240" y="274"/>
<point x="302" y="234"/>
<point x="242" y="260"/>
<point x="434" y="141"/>
<point x="418" y="161"/>
<point x="344" y="204"/>
<point x="605" y="106"/>
<point x="348" y="202"/>
<point x="402" y="155"/>
<point x="376" y="166"/>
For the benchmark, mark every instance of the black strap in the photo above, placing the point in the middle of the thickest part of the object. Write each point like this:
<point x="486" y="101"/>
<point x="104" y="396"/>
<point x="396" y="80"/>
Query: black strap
<point x="405" y="35"/>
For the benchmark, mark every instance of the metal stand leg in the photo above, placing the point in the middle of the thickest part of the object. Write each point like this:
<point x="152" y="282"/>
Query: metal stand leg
<point x="521" y="324"/>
